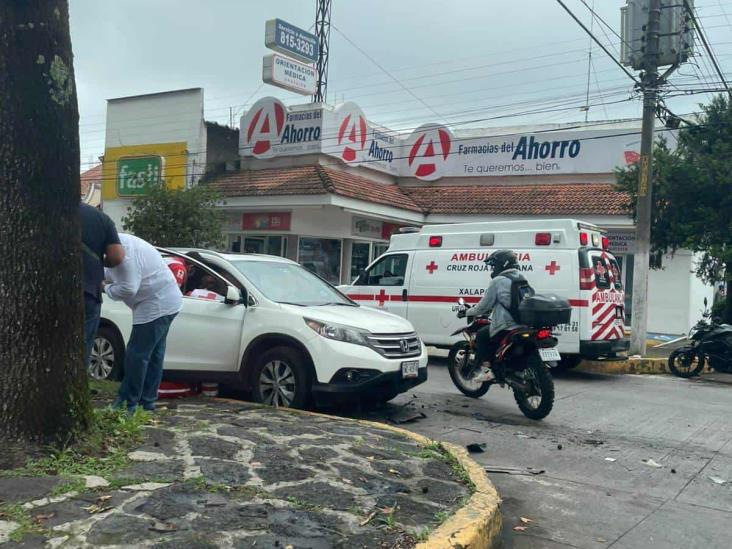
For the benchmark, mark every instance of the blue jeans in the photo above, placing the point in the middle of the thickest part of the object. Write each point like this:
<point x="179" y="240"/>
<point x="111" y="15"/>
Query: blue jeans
<point x="144" y="364"/>
<point x="92" y="310"/>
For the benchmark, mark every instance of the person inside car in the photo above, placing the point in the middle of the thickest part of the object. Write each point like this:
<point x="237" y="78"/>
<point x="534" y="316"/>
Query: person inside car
<point x="209" y="290"/>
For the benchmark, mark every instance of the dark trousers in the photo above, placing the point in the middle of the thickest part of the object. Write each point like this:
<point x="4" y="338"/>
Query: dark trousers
<point x="144" y="364"/>
<point x="92" y="310"/>
<point x="486" y="346"/>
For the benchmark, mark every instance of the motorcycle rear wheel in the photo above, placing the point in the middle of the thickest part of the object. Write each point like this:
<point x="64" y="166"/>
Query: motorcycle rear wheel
<point x="537" y="403"/>
<point x="456" y="361"/>
<point x="685" y="363"/>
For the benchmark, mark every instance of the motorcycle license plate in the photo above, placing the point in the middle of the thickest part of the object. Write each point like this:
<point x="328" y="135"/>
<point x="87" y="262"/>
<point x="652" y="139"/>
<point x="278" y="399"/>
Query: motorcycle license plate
<point x="549" y="355"/>
<point x="410" y="369"/>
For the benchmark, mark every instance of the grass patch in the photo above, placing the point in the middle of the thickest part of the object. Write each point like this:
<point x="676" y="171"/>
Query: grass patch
<point x="300" y="504"/>
<point x="103" y="389"/>
<point x="436" y="450"/>
<point x="26" y="525"/>
<point x="100" y="451"/>
<point x="77" y="485"/>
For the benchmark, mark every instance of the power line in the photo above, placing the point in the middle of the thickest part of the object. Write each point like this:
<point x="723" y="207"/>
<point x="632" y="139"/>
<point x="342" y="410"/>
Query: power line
<point x="701" y="33"/>
<point x="610" y="55"/>
<point x="394" y="78"/>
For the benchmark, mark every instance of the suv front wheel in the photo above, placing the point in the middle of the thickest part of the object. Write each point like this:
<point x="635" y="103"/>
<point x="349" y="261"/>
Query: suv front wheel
<point x="280" y="378"/>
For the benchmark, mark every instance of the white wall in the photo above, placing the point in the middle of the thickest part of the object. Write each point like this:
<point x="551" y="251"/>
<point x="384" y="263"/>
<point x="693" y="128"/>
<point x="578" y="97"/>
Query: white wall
<point x="167" y="117"/>
<point x="668" y="295"/>
<point x="697" y="292"/>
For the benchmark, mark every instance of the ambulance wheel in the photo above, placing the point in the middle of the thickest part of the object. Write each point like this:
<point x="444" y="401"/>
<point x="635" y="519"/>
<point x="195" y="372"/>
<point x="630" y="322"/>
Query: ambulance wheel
<point x="537" y="401"/>
<point x="456" y="361"/>
<point x="568" y="362"/>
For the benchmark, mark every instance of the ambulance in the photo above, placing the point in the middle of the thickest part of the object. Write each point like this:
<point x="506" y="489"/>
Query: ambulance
<point x="425" y="271"/>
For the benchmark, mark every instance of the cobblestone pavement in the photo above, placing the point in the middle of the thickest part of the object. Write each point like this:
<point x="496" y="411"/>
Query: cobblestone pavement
<point x="220" y="474"/>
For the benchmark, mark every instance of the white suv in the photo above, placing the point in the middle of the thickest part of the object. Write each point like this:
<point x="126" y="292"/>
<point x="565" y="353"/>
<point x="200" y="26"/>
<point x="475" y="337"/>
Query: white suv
<point x="277" y="330"/>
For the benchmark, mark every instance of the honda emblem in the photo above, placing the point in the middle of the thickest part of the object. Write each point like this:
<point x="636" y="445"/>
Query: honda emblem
<point x="404" y="345"/>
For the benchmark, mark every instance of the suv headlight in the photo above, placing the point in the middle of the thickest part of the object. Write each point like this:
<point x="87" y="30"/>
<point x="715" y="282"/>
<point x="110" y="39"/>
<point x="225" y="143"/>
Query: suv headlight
<point x="338" y="332"/>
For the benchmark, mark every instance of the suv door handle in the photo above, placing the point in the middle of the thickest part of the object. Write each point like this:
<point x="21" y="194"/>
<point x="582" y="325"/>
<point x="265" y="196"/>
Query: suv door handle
<point x="404" y="295"/>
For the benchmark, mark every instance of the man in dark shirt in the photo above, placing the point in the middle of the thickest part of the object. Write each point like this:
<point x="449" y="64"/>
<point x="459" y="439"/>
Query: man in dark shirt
<point x="100" y="247"/>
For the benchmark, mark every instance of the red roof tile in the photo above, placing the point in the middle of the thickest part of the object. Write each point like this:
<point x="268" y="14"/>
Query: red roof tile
<point x="552" y="199"/>
<point x="314" y="179"/>
<point x="90" y="177"/>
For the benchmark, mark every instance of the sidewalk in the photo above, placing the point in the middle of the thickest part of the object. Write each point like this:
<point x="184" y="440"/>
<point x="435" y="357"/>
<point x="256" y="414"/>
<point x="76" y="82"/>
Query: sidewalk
<point x="214" y="473"/>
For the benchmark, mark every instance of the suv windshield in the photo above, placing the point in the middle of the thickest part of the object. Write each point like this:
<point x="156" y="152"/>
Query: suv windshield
<point x="288" y="283"/>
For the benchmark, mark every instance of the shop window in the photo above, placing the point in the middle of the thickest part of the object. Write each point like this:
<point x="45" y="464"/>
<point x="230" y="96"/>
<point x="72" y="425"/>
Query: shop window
<point x="359" y="258"/>
<point x="274" y="245"/>
<point x="234" y="243"/>
<point x="321" y="256"/>
<point x="390" y="270"/>
<point x="379" y="250"/>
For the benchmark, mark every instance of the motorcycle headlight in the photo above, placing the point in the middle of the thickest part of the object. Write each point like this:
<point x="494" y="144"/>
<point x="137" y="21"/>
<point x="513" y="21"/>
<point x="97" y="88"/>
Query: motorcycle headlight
<point x="338" y="332"/>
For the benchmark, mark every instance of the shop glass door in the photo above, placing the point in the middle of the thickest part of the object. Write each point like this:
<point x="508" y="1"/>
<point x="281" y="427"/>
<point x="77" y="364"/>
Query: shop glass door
<point x="360" y="254"/>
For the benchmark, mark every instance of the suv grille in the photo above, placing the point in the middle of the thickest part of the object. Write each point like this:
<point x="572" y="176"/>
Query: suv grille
<point x="396" y="345"/>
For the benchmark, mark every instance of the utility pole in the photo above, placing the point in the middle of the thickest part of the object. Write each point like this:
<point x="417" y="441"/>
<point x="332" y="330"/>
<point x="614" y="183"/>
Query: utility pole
<point x="322" y="32"/>
<point x="649" y="83"/>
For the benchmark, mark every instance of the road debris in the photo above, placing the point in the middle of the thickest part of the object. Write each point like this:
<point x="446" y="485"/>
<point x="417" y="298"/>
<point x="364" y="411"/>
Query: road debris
<point x="611" y="459"/>
<point x="476" y="447"/>
<point x="519" y="528"/>
<point x="406" y="416"/>
<point x="717" y="480"/>
<point x="525" y="520"/>
<point x="652" y="463"/>
<point x="514" y="470"/>
<point x="368" y="518"/>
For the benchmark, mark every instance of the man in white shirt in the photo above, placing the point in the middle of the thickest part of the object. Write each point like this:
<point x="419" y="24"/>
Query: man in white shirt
<point x="147" y="286"/>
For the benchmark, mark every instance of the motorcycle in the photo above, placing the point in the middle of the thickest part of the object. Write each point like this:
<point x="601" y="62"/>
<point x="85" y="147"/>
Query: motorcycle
<point x="710" y="341"/>
<point x="520" y="362"/>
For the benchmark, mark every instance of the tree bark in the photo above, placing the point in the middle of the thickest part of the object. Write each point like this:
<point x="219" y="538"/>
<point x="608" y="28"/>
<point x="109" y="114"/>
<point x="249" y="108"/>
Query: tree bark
<point x="728" y="293"/>
<point x="44" y="395"/>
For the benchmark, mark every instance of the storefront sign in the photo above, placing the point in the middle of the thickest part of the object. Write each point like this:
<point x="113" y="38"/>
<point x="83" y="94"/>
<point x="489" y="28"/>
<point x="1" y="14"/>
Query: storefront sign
<point x="621" y="242"/>
<point x="389" y="229"/>
<point x="290" y="40"/>
<point x="269" y="129"/>
<point x="289" y="74"/>
<point x="268" y="221"/>
<point x="432" y="151"/>
<point x="368" y="228"/>
<point x="135" y="175"/>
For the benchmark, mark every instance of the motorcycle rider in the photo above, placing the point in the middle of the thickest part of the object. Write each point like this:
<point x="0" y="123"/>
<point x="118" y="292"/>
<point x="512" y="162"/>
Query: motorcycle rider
<point x="497" y="300"/>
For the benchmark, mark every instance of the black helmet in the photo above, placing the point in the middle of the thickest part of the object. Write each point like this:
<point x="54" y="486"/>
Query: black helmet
<point x="501" y="260"/>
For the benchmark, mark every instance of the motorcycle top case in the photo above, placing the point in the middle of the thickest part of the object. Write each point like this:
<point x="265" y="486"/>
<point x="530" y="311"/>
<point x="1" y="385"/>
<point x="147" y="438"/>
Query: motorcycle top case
<point x="544" y="311"/>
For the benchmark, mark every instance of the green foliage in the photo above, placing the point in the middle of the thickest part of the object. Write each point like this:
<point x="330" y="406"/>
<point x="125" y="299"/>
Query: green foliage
<point x="692" y="192"/>
<point x="101" y="451"/>
<point x="186" y="218"/>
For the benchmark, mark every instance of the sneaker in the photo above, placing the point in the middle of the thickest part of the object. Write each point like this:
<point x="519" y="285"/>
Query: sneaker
<point x="484" y="375"/>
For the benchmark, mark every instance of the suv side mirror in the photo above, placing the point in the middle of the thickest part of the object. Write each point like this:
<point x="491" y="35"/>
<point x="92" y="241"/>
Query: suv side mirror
<point x="252" y="301"/>
<point x="233" y="295"/>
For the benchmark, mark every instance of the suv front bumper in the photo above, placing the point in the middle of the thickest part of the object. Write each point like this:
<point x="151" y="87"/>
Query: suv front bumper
<point x="383" y="386"/>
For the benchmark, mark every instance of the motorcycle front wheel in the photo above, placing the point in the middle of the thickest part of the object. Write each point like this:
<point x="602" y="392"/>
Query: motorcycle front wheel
<point x="538" y="399"/>
<point x="457" y="364"/>
<point x="685" y="363"/>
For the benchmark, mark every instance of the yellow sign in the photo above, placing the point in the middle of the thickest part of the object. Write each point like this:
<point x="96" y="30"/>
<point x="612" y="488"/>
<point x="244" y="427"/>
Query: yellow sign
<point x="643" y="182"/>
<point x="174" y="165"/>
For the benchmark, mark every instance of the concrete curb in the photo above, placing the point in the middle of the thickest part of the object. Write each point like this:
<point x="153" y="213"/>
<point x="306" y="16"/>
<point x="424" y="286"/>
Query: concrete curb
<point x="477" y="524"/>
<point x="630" y="366"/>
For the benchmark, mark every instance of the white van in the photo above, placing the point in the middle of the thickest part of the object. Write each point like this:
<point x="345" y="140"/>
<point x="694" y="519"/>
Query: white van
<point x="425" y="271"/>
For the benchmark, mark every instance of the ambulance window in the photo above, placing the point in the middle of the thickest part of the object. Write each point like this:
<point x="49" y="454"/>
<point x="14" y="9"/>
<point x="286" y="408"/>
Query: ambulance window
<point x="607" y="272"/>
<point x="390" y="270"/>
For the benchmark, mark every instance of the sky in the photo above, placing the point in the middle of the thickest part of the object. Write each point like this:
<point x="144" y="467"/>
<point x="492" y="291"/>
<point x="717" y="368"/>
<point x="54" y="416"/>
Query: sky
<point x="469" y="63"/>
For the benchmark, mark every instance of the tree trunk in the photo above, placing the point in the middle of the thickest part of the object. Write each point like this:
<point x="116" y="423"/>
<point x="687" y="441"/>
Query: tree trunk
<point x="44" y="395"/>
<point x="728" y="293"/>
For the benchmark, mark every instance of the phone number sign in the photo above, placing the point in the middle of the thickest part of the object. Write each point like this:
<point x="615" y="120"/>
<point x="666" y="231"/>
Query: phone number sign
<point x="290" y="40"/>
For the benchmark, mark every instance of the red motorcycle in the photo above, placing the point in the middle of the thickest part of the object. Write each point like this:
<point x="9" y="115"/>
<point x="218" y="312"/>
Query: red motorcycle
<point x="522" y="362"/>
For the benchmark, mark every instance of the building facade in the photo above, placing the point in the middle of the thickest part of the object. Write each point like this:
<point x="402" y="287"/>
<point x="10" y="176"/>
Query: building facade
<point x="326" y="187"/>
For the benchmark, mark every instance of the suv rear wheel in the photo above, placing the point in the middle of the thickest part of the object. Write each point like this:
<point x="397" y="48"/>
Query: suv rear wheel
<point x="280" y="378"/>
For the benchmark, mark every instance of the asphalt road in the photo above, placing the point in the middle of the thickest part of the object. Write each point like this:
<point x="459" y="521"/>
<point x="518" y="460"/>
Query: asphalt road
<point x="596" y="490"/>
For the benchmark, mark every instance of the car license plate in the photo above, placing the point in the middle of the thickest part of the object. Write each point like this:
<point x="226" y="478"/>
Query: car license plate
<point x="549" y="355"/>
<point x="410" y="368"/>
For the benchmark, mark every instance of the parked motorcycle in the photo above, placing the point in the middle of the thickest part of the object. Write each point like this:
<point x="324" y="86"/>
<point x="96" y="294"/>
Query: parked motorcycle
<point x="521" y="362"/>
<point x="710" y="341"/>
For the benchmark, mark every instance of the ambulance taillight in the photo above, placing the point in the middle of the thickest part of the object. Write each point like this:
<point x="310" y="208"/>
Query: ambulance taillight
<point x="543" y="239"/>
<point x="605" y="243"/>
<point x="584" y="239"/>
<point x="435" y="241"/>
<point x="586" y="278"/>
